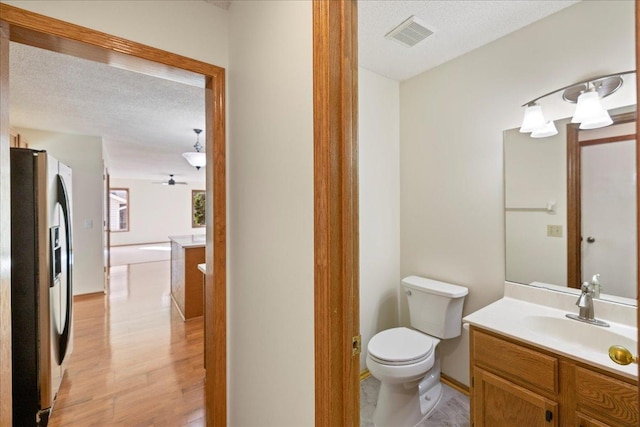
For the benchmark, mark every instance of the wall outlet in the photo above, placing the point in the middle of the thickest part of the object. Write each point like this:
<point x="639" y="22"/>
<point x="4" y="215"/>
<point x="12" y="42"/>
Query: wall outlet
<point x="554" y="231"/>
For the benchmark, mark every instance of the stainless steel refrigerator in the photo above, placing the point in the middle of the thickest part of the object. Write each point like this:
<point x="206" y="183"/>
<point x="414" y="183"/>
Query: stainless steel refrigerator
<point x="41" y="282"/>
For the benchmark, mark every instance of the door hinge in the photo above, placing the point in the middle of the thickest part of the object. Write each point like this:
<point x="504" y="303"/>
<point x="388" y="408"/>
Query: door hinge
<point x="356" y="345"/>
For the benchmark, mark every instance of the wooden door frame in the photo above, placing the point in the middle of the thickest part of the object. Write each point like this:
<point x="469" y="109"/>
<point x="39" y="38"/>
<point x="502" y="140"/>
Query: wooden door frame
<point x="41" y="31"/>
<point x="637" y="33"/>
<point x="335" y="172"/>
<point x="574" y="198"/>
<point x="336" y="266"/>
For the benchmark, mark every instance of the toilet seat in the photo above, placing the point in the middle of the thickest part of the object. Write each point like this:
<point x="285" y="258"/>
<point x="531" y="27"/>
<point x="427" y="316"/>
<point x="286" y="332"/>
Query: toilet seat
<point x="400" y="346"/>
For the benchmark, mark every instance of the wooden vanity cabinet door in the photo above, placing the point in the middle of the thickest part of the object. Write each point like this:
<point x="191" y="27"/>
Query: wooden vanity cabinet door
<point x="606" y="399"/>
<point x="585" y="421"/>
<point x="501" y="403"/>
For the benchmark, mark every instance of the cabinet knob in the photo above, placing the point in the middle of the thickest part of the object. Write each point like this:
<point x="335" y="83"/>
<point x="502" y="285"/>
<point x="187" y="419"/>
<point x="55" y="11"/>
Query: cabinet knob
<point x="408" y="292"/>
<point x="621" y="355"/>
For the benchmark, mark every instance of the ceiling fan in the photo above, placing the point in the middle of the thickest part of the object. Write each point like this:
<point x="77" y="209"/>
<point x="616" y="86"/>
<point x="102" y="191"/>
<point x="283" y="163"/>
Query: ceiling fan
<point x="171" y="181"/>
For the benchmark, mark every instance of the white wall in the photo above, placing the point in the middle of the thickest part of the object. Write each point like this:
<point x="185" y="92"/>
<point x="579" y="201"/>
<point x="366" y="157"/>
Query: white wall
<point x="271" y="288"/>
<point x="84" y="155"/>
<point x="379" y="198"/>
<point x="451" y="123"/>
<point x="156" y="211"/>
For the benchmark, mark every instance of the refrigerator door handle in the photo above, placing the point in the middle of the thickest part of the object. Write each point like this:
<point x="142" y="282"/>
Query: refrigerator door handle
<point x="63" y="200"/>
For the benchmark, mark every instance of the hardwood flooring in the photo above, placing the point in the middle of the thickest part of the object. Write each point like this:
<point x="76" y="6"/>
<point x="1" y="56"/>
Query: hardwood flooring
<point x="135" y="362"/>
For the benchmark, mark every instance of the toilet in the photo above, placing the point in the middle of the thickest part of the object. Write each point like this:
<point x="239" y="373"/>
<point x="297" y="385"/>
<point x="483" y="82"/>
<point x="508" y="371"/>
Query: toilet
<point x="405" y="360"/>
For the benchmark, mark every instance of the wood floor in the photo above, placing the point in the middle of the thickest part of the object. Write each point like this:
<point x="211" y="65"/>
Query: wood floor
<point x="135" y="362"/>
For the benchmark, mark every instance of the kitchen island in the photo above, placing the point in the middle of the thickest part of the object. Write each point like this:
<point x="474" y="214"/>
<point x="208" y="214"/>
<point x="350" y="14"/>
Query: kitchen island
<point x="186" y="281"/>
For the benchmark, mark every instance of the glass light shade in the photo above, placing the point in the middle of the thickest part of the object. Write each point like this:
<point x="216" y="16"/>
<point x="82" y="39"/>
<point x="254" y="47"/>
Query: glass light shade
<point x="597" y="122"/>
<point x="589" y="108"/>
<point x="196" y="159"/>
<point x="533" y="119"/>
<point x="548" y="130"/>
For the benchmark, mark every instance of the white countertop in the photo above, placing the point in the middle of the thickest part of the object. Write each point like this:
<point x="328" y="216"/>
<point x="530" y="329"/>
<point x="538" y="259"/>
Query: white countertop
<point x="190" y="241"/>
<point x="516" y="319"/>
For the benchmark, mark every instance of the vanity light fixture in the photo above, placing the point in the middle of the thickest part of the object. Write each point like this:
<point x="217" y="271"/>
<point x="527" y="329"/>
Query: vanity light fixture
<point x="196" y="159"/>
<point x="548" y="129"/>
<point x="589" y="110"/>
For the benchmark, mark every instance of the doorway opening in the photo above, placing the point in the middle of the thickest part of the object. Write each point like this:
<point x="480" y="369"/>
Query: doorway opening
<point x="36" y="30"/>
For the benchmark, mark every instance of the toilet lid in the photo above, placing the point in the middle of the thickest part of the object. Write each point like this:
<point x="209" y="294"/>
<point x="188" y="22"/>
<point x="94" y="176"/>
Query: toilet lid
<point x="400" y="345"/>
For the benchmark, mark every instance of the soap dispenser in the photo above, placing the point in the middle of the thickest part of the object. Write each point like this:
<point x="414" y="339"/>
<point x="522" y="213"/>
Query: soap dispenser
<point x="595" y="283"/>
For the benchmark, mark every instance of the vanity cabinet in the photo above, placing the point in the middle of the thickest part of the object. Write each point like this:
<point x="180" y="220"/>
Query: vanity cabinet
<point x="513" y="383"/>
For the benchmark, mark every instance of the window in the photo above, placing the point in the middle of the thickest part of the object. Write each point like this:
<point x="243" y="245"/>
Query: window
<point x="119" y="209"/>
<point x="197" y="208"/>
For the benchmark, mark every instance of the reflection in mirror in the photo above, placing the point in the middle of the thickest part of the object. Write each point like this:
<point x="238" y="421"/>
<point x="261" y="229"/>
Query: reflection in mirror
<point x="548" y="196"/>
<point x="601" y="200"/>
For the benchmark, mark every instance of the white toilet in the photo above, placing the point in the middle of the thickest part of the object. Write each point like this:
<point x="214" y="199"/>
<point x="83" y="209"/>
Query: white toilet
<point x="405" y="360"/>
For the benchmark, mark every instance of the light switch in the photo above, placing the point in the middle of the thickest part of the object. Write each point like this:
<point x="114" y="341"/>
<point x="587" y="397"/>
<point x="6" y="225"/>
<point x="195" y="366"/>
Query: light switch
<point x="88" y="223"/>
<point x="554" y="230"/>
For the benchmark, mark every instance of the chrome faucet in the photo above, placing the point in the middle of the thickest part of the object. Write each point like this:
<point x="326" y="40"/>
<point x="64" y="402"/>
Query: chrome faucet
<point x="585" y="303"/>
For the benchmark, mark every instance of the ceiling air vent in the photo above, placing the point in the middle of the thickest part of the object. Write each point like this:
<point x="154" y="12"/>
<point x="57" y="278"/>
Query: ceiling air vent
<point x="410" y="32"/>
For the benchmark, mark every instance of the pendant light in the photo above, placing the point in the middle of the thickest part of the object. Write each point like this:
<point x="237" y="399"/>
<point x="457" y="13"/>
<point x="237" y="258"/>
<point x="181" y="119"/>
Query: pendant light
<point x="196" y="159"/>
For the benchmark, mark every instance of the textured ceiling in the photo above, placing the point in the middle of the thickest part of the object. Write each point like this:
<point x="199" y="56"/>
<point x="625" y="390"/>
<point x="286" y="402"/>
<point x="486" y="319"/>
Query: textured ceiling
<point x="146" y="122"/>
<point x="458" y="27"/>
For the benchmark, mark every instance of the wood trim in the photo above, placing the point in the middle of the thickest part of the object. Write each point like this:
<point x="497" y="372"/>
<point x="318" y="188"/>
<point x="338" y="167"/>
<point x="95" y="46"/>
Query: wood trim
<point x="53" y="34"/>
<point x="59" y="36"/>
<point x="5" y="235"/>
<point x="573" y="208"/>
<point x="574" y="219"/>
<point x="455" y="384"/>
<point x="608" y="140"/>
<point x="335" y="73"/>
<point x="215" y="318"/>
<point x="637" y="20"/>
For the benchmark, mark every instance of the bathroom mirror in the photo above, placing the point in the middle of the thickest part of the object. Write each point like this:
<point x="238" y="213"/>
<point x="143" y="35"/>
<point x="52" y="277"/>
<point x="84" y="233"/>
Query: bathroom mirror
<point x="570" y="206"/>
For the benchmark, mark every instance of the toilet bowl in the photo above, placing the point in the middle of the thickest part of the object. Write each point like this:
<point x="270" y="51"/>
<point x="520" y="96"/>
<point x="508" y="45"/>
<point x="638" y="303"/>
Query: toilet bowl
<point x="405" y="360"/>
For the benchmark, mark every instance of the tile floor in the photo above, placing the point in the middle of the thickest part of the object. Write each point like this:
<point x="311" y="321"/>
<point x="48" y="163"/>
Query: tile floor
<point x="453" y="410"/>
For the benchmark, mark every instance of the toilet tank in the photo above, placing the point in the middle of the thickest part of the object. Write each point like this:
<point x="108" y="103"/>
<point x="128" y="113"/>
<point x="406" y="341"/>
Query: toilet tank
<point x="435" y="308"/>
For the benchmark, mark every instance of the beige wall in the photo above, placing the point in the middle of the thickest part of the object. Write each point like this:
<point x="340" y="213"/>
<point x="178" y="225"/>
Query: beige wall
<point x="271" y="321"/>
<point x="156" y="211"/>
<point x="451" y="123"/>
<point x="83" y="154"/>
<point x="379" y="198"/>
